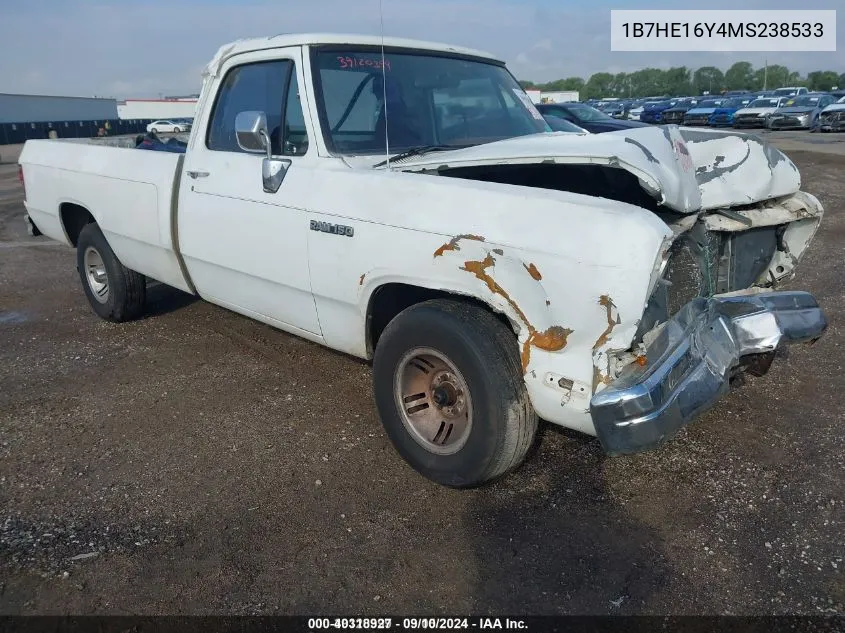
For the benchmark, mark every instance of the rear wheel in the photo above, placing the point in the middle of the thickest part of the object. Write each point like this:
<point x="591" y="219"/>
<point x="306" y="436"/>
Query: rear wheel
<point x="154" y="131"/>
<point x="115" y="292"/>
<point x="450" y="393"/>
<point x="177" y="130"/>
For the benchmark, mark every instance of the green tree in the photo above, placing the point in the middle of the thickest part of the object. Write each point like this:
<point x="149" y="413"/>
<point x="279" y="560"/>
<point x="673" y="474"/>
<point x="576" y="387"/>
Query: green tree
<point x="775" y="76"/>
<point x="677" y="81"/>
<point x="842" y="80"/>
<point x="708" y="79"/>
<point x="527" y="85"/>
<point x="822" y="80"/>
<point x="740" y="76"/>
<point x="598" y="86"/>
<point x="648" y="82"/>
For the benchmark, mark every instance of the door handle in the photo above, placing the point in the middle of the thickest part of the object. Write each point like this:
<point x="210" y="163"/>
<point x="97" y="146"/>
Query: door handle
<point x="197" y="174"/>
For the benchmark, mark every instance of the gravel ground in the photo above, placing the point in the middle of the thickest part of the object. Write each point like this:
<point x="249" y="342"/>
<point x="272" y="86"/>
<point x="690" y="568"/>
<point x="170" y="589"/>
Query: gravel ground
<point x="199" y="462"/>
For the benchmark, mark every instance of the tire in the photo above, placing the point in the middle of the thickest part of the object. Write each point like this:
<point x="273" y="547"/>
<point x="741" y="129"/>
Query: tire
<point x="176" y="130"/>
<point x="154" y="131"/>
<point x="115" y="293"/>
<point x="484" y="353"/>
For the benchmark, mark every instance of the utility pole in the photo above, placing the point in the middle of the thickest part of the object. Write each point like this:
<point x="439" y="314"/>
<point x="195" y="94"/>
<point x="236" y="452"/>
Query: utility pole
<point x="766" y="74"/>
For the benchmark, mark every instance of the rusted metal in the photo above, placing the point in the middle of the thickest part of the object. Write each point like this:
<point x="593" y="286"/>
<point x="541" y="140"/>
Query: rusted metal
<point x="452" y="245"/>
<point x="532" y="270"/>
<point x="361" y="280"/>
<point x="553" y="339"/>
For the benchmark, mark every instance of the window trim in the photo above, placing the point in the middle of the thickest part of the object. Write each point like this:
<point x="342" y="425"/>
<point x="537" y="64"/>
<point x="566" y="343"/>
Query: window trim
<point x="291" y="68"/>
<point x="316" y="85"/>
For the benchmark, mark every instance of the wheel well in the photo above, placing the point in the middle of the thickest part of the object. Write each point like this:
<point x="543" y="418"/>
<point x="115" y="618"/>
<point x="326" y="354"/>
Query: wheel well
<point x="74" y="217"/>
<point x="390" y="299"/>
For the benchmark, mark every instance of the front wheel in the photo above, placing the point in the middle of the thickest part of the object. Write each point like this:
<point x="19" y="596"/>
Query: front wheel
<point x="450" y="393"/>
<point x="115" y="292"/>
<point x="154" y="131"/>
<point x="177" y="130"/>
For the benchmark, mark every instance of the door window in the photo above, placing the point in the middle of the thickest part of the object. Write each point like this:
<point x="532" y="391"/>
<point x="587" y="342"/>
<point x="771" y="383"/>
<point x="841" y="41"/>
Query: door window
<point x="258" y="86"/>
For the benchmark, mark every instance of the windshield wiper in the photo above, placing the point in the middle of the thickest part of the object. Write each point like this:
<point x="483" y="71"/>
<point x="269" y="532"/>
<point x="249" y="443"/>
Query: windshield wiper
<point x="416" y="151"/>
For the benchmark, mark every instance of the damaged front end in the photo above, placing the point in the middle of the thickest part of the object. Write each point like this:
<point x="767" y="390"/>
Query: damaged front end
<point x="691" y="361"/>
<point x="831" y="121"/>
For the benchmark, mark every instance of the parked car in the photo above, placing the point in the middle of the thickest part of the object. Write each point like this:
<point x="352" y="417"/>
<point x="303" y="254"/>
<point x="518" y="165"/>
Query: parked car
<point x="616" y="110"/>
<point x="493" y="272"/>
<point x="790" y="91"/>
<point x="832" y="118"/>
<point x="653" y="111"/>
<point x="799" y="112"/>
<point x="168" y="126"/>
<point x="724" y="114"/>
<point x="587" y="117"/>
<point x="559" y="124"/>
<point x="675" y="114"/>
<point x="700" y="114"/>
<point x="756" y="112"/>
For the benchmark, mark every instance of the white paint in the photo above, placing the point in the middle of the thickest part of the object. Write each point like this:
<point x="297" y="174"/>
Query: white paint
<point x="254" y="252"/>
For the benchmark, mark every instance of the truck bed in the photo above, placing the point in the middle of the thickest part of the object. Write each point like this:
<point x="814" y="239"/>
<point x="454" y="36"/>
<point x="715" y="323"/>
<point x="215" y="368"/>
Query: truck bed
<point x="131" y="194"/>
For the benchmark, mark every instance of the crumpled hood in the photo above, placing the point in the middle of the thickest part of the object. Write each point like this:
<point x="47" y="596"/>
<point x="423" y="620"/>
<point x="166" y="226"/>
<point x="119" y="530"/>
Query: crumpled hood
<point x="725" y="110"/>
<point x="684" y="169"/>
<point x="834" y="107"/>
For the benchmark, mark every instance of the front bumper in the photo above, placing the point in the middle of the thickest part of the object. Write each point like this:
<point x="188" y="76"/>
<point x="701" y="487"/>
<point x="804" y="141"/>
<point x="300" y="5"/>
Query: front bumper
<point x="691" y="362"/>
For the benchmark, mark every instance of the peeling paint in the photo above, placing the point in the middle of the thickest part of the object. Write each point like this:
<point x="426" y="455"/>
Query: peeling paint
<point x="532" y="270"/>
<point x="452" y="245"/>
<point x="498" y="251"/>
<point x="607" y="303"/>
<point x="601" y="359"/>
<point x="361" y="280"/>
<point x="716" y="171"/>
<point x="553" y="339"/>
<point x="651" y="158"/>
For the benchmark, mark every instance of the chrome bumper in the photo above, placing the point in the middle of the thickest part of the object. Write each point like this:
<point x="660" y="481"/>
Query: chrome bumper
<point x="691" y="361"/>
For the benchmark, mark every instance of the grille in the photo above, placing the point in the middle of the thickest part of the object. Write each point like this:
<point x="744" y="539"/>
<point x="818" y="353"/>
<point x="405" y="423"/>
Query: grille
<point x="834" y="121"/>
<point x="747" y="119"/>
<point x="722" y="118"/>
<point x="786" y="121"/>
<point x="696" y="119"/>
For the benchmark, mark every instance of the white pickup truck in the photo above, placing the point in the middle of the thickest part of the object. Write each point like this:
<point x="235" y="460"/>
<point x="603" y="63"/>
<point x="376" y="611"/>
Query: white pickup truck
<point x="405" y="202"/>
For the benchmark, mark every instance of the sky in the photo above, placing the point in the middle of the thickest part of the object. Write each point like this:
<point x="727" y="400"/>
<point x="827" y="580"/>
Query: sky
<point x="144" y="48"/>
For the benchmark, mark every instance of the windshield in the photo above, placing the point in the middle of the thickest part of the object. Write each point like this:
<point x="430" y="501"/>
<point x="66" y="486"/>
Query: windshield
<point x="786" y="91"/>
<point x="432" y="100"/>
<point x="562" y="125"/>
<point x="708" y="103"/>
<point x="764" y="103"/>
<point x="733" y="103"/>
<point x="804" y="101"/>
<point x="583" y="112"/>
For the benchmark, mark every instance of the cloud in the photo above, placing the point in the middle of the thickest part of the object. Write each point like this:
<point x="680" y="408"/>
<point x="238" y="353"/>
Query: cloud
<point x="147" y="47"/>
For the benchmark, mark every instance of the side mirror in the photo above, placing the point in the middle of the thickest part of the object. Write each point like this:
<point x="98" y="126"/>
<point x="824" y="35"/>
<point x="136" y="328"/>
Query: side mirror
<point x="253" y="136"/>
<point x="251" y="132"/>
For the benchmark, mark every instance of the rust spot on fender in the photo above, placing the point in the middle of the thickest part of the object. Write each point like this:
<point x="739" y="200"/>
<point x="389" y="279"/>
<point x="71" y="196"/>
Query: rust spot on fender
<point x="608" y="304"/>
<point x="452" y="245"/>
<point x="551" y="340"/>
<point x="532" y="270"/>
<point x="361" y="280"/>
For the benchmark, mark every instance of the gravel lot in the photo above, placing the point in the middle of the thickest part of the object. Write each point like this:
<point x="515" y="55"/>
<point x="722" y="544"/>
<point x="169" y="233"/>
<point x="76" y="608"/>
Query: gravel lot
<point x="199" y="462"/>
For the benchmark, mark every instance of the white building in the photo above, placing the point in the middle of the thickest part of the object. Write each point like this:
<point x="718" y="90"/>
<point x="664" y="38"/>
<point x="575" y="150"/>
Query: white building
<point x="563" y="96"/>
<point x="178" y="108"/>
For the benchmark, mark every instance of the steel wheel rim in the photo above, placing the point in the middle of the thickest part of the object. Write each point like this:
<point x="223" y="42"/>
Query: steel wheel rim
<point x="95" y="273"/>
<point x="434" y="401"/>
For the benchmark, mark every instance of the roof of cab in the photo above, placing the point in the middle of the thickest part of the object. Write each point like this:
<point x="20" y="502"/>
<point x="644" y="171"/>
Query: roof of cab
<point x="301" y="39"/>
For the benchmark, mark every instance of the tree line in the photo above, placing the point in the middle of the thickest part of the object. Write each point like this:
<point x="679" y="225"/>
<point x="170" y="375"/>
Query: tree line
<point x="682" y="81"/>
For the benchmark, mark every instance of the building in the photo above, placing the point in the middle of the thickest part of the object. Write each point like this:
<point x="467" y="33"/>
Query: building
<point x="563" y="96"/>
<point x="170" y="108"/>
<point x="17" y="108"/>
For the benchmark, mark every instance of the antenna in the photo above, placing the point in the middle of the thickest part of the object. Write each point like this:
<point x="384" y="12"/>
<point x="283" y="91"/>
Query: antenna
<point x="384" y="88"/>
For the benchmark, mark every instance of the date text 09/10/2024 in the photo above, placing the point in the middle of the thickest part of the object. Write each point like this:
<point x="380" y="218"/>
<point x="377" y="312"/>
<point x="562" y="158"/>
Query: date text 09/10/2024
<point x="413" y="624"/>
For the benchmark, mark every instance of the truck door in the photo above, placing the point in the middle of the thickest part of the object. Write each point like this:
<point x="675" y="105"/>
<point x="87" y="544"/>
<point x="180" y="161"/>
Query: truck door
<point x="244" y="248"/>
